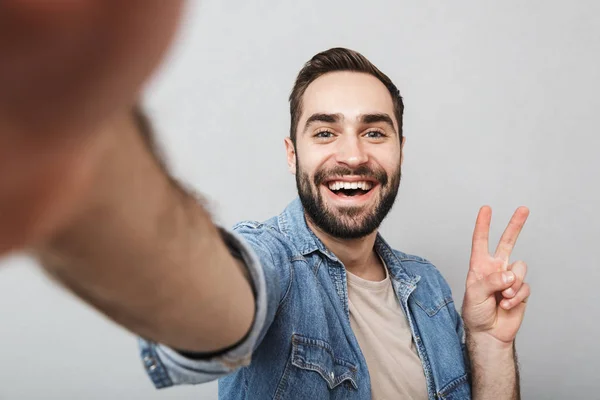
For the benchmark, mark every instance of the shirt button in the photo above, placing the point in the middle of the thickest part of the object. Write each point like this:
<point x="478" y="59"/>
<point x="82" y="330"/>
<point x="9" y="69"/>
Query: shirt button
<point x="150" y="362"/>
<point x="332" y="375"/>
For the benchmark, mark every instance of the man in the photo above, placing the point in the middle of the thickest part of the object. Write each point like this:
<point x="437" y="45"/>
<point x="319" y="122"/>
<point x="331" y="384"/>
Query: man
<point x="312" y="303"/>
<point x="345" y="316"/>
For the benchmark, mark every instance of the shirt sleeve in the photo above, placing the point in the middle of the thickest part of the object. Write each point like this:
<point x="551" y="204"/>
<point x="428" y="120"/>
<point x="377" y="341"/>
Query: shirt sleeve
<point x="167" y="367"/>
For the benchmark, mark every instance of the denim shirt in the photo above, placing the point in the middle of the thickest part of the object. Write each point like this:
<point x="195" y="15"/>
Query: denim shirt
<point x="301" y="344"/>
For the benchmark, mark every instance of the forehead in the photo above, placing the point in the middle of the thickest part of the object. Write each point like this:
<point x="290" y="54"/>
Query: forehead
<point x="348" y="93"/>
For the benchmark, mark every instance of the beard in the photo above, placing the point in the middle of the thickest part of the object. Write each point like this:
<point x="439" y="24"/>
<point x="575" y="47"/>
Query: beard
<point x="347" y="222"/>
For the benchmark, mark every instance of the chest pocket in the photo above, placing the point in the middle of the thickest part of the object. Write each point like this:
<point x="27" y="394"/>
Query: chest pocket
<point x="317" y="355"/>
<point x="314" y="370"/>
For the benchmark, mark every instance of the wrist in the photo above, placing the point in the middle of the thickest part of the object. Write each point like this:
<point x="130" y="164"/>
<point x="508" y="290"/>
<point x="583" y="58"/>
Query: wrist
<point x="484" y="349"/>
<point x="494" y="367"/>
<point x="486" y="341"/>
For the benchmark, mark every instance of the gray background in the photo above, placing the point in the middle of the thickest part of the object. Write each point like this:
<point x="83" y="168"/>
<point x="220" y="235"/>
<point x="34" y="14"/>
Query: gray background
<point x="501" y="105"/>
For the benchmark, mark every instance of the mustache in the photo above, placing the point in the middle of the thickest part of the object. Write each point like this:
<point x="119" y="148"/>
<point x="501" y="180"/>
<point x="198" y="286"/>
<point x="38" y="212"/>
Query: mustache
<point x="363" y="171"/>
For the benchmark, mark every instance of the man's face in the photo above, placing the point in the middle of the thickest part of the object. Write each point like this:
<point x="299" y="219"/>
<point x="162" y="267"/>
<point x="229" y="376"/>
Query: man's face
<point x="347" y="157"/>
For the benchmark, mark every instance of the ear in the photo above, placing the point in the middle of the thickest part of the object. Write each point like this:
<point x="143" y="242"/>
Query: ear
<point x="402" y="150"/>
<point x="291" y="155"/>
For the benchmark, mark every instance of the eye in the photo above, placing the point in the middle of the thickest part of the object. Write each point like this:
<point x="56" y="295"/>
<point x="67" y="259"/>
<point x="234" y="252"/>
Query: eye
<point x="375" y="134"/>
<point x="324" y="134"/>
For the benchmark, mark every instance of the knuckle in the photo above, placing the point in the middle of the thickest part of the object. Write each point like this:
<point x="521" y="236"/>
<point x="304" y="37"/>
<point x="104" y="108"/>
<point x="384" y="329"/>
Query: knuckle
<point x="520" y="269"/>
<point x="496" y="279"/>
<point x="525" y="292"/>
<point x="491" y="279"/>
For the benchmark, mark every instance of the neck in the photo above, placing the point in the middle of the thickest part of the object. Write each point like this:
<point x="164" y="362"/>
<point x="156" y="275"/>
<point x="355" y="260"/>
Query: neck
<point x="357" y="255"/>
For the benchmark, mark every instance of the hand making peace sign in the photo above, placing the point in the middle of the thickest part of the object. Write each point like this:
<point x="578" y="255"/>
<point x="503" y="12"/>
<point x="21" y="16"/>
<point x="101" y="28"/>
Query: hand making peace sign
<point x="496" y="295"/>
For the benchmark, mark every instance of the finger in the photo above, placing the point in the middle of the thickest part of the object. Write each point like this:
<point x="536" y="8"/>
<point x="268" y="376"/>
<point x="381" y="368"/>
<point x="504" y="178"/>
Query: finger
<point x="521" y="297"/>
<point x="495" y="282"/>
<point x="481" y="233"/>
<point x="519" y="268"/>
<point x="511" y="233"/>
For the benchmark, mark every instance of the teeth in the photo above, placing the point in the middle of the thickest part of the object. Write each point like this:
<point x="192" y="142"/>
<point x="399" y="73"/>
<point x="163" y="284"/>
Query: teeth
<point x="337" y="185"/>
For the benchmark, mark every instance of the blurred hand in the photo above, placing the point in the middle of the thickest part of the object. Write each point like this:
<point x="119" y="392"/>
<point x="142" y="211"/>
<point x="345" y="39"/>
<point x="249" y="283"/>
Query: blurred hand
<point x="68" y="70"/>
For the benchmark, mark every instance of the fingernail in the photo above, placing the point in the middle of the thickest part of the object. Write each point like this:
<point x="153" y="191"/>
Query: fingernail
<point x="506" y="304"/>
<point x="510" y="292"/>
<point x="508" y="277"/>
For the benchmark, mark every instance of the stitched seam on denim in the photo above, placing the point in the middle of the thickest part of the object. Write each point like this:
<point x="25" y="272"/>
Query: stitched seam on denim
<point x="420" y="347"/>
<point x="420" y="260"/>
<point x="303" y="340"/>
<point x="337" y="274"/>
<point x="332" y="384"/>
<point x="193" y="369"/>
<point x="313" y="367"/>
<point x="249" y="224"/>
<point x="283" y="381"/>
<point x="453" y="385"/>
<point x="315" y="270"/>
<point x="283" y="225"/>
<point x="433" y="311"/>
<point x="258" y="225"/>
<point x="285" y="296"/>
<point x="300" y="362"/>
<point x="427" y="365"/>
<point x="271" y="228"/>
<point x="383" y="245"/>
<point x="161" y="372"/>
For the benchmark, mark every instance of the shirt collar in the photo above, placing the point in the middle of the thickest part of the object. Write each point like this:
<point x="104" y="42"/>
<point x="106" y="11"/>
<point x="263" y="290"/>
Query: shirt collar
<point x="292" y="223"/>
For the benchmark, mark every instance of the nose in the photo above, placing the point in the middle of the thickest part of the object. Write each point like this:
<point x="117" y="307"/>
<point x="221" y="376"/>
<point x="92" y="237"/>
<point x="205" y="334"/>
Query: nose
<point x="351" y="152"/>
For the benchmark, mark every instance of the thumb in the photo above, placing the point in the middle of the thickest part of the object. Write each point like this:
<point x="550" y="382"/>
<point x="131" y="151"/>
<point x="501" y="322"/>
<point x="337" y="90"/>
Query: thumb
<point x="495" y="282"/>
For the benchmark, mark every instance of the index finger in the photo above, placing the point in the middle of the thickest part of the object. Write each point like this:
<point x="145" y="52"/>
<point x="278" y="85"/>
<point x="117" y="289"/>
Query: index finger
<point x="480" y="247"/>
<point x="511" y="233"/>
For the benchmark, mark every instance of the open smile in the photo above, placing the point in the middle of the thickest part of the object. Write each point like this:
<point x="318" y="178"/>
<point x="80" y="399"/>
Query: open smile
<point x="354" y="190"/>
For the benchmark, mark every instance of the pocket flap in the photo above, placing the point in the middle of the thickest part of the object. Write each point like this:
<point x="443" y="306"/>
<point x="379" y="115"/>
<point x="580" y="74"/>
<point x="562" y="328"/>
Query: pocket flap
<point x="317" y="355"/>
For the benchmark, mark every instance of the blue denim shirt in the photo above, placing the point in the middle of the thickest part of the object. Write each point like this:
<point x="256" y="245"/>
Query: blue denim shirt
<point x="301" y="345"/>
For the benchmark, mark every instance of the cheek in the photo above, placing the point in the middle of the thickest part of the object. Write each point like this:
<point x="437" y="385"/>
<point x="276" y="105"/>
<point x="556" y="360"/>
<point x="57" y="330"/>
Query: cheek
<point x="388" y="160"/>
<point x="311" y="159"/>
<point x="394" y="165"/>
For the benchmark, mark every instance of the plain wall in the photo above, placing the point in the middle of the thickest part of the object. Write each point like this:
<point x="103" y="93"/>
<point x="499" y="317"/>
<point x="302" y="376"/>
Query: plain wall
<point x="502" y="103"/>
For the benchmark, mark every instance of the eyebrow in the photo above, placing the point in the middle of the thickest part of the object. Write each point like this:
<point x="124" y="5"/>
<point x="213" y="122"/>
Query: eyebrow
<point x="321" y="117"/>
<point x="378" y="117"/>
<point x="363" y="119"/>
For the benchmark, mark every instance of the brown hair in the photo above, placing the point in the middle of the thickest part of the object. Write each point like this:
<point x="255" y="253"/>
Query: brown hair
<point x="338" y="59"/>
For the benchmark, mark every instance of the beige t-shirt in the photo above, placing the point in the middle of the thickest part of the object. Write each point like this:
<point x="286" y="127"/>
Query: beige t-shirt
<point x="385" y="339"/>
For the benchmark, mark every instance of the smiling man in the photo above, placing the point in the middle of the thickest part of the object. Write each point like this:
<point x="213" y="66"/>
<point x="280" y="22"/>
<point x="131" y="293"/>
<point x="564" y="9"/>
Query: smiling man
<point x="310" y="304"/>
<point x="340" y="314"/>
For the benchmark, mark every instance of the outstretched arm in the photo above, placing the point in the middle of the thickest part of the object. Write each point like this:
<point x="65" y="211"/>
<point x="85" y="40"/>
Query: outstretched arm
<point x="81" y="188"/>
